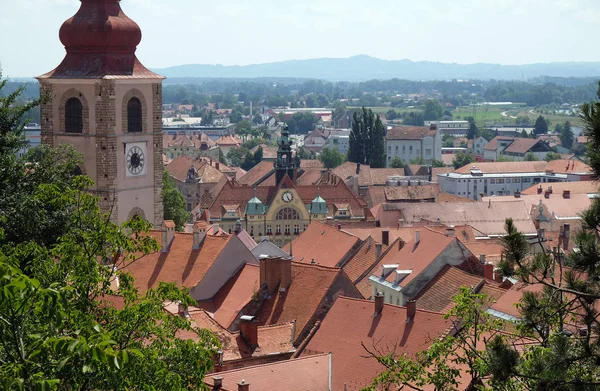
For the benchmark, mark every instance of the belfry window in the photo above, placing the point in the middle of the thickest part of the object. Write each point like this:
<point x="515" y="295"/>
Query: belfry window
<point x="73" y="116"/>
<point x="134" y="115"/>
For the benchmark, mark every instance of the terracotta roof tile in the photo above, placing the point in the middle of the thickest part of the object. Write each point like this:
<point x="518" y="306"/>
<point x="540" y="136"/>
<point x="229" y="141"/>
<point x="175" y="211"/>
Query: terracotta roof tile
<point x="445" y="197"/>
<point x="234" y="295"/>
<point x="364" y="285"/>
<point x="409" y="133"/>
<point x="309" y="178"/>
<point x="181" y="265"/>
<point x="311" y="163"/>
<point x="350" y="322"/>
<point x="348" y="170"/>
<point x="362" y="260"/>
<point x="503" y="167"/>
<point x="256" y="173"/>
<point x="269" y="151"/>
<point x="411" y="193"/>
<point x="523" y="145"/>
<point x="310" y="373"/>
<point x="570" y="166"/>
<point x="316" y="243"/>
<point x="493" y="144"/>
<point x="435" y="171"/>
<point x="228" y="141"/>
<point x="178" y="168"/>
<point x="379" y="176"/>
<point x="580" y="187"/>
<point x="301" y="301"/>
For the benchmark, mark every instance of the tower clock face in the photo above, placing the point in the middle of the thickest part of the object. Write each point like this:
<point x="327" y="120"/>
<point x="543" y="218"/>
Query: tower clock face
<point x="287" y="197"/>
<point x="135" y="159"/>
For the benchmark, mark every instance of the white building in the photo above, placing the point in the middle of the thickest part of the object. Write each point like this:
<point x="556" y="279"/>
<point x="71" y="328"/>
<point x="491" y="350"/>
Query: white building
<point x="455" y="128"/>
<point x="478" y="145"/>
<point x="410" y="142"/>
<point x="339" y="140"/>
<point x="514" y="148"/>
<point x="506" y="178"/>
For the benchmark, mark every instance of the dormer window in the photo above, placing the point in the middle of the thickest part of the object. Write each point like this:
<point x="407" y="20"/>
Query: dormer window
<point x="73" y="116"/>
<point x="134" y="115"/>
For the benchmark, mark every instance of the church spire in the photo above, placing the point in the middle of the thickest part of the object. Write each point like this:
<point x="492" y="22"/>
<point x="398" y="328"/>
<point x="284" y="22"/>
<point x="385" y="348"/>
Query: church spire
<point x="285" y="162"/>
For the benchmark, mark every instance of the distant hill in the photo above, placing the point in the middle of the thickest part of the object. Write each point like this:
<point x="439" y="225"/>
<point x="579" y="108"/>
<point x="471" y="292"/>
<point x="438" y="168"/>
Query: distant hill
<point x="362" y="67"/>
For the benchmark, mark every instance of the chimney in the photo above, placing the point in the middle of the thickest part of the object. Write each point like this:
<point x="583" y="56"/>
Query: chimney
<point x="498" y="276"/>
<point x="217" y="382"/>
<point x="566" y="236"/>
<point x="539" y="189"/>
<point x="411" y="309"/>
<point x="378" y="303"/>
<point x="249" y="330"/>
<point x="482" y="259"/>
<point x="550" y="189"/>
<point x="377" y="250"/>
<point x="357" y="168"/>
<point x="217" y="166"/>
<point x="168" y="233"/>
<point x="199" y="234"/>
<point x="274" y="272"/>
<point x="566" y="193"/>
<point x="417" y="237"/>
<point x="385" y="237"/>
<point x="488" y="271"/>
<point x="243" y="386"/>
<point x="450" y="231"/>
<point x="401" y="244"/>
<point x="517" y="194"/>
<point x="339" y="227"/>
<point x="547" y="194"/>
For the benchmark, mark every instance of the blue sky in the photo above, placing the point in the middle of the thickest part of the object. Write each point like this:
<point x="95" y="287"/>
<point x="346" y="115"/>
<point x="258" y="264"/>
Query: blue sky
<point x="243" y="32"/>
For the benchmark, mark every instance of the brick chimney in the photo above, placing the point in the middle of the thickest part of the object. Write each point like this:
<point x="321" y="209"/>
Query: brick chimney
<point x="217" y="382"/>
<point x="218" y="166"/>
<point x="566" y="193"/>
<point x="357" y="168"/>
<point x="488" y="271"/>
<point x="249" y="330"/>
<point x="517" y="194"/>
<point x="547" y="194"/>
<point x="417" y="237"/>
<point x="411" y="310"/>
<point x="339" y="227"/>
<point x="385" y="237"/>
<point x="377" y="250"/>
<point x="199" y="234"/>
<point x="168" y="234"/>
<point x="378" y="303"/>
<point x="540" y="190"/>
<point x="243" y="386"/>
<point x="401" y="244"/>
<point x="274" y="272"/>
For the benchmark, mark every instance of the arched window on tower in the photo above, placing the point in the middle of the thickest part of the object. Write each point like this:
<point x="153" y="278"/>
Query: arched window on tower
<point x="73" y="116"/>
<point x="287" y="214"/>
<point x="134" y="115"/>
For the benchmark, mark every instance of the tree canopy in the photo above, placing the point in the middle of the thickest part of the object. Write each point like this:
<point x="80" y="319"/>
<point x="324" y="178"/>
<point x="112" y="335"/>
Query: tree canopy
<point x="331" y="158"/>
<point x="367" y="139"/>
<point x="462" y="159"/>
<point x="541" y="126"/>
<point x="174" y="206"/>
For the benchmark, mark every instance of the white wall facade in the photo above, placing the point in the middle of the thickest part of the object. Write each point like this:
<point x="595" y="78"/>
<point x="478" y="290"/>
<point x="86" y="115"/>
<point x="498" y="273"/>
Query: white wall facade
<point x="429" y="148"/>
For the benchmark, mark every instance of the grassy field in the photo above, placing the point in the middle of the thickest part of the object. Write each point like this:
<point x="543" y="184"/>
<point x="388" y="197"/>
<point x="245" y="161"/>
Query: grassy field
<point x="486" y="114"/>
<point x="384" y="109"/>
<point x="554" y="119"/>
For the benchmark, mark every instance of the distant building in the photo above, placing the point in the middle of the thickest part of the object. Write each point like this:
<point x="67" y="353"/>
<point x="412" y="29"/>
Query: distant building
<point x="338" y="139"/>
<point x="514" y="148"/>
<point x="410" y="142"/>
<point x="194" y="144"/>
<point x="455" y="128"/>
<point x="33" y="138"/>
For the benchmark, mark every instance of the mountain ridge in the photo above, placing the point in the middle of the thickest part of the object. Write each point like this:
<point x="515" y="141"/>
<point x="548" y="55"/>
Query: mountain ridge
<point x="363" y="67"/>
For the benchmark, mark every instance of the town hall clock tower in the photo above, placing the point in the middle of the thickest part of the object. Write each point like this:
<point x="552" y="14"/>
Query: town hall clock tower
<point x="106" y="104"/>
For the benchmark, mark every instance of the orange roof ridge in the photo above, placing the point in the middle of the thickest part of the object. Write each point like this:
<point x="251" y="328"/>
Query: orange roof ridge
<point x="267" y="364"/>
<point x="276" y="325"/>
<point x="334" y="228"/>
<point x="208" y="315"/>
<point x="388" y="304"/>
<point x="316" y="265"/>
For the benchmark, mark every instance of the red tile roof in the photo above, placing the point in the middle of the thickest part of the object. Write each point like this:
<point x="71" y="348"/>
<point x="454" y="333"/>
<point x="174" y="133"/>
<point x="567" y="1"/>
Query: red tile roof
<point x="256" y="173"/>
<point x="503" y="167"/>
<point x="364" y="285"/>
<point x="302" y="300"/>
<point x="311" y="163"/>
<point x="409" y="133"/>
<point x="350" y="322"/>
<point x="310" y="373"/>
<point x="234" y="295"/>
<point x="579" y="187"/>
<point x="411" y="193"/>
<point x="348" y="170"/>
<point x="228" y="141"/>
<point x="571" y="166"/>
<point x="181" y="265"/>
<point x="438" y="294"/>
<point x="523" y="145"/>
<point x="435" y="171"/>
<point x="493" y="144"/>
<point x="178" y="168"/>
<point x="362" y="260"/>
<point x="325" y="245"/>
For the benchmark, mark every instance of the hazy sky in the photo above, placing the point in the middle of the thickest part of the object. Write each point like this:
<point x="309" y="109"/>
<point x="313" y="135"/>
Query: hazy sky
<point x="242" y="32"/>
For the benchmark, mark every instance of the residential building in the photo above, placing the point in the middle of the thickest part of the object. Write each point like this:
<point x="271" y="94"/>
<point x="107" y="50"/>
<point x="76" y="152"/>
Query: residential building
<point x="338" y="139"/>
<point x="406" y="191"/>
<point x="310" y="373"/>
<point x="411" y="142"/>
<point x="315" y="140"/>
<point x="351" y="325"/>
<point x="200" y="262"/>
<point x="193" y="144"/>
<point x="269" y="152"/>
<point x="228" y="142"/>
<point x="401" y="277"/>
<point x="515" y="148"/>
<point x="477" y="146"/>
<point x="505" y="178"/>
<point x="32" y="137"/>
<point x="455" y="128"/>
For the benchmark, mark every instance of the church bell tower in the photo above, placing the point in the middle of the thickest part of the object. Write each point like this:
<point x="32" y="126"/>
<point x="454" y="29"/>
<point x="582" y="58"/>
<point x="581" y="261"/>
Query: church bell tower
<point x="106" y="104"/>
<point x="285" y="163"/>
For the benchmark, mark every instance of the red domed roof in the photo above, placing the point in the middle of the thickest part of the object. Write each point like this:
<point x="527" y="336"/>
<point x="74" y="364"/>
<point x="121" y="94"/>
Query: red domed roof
<point x="100" y="41"/>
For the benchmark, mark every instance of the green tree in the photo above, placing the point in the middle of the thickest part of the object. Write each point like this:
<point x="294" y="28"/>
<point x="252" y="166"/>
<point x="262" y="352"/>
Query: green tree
<point x="243" y="127"/>
<point x="367" y="139"/>
<point x="303" y="153"/>
<point x="331" y="158"/>
<point x="174" y="203"/>
<point x="417" y="160"/>
<point x="302" y="123"/>
<point x="566" y="135"/>
<point x="437" y="163"/>
<point x="236" y="156"/>
<point x="222" y="158"/>
<point x="396" y="162"/>
<point x="524" y="134"/>
<point x="530" y="157"/>
<point x="432" y="110"/>
<point x="552" y="156"/>
<point x="257" y="119"/>
<point x="541" y="126"/>
<point x="471" y="134"/>
<point x="461" y="159"/>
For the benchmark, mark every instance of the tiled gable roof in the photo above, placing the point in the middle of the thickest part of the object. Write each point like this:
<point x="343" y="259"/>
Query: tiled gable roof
<point x="181" y="265"/>
<point x="503" y="167"/>
<point x="351" y="322"/>
<point x="523" y="145"/>
<point x="408" y="193"/>
<point x="256" y="173"/>
<point x="325" y="245"/>
<point x="493" y="144"/>
<point x="348" y="170"/>
<point x="309" y="373"/>
<point x="362" y="260"/>
<point x="580" y="187"/>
